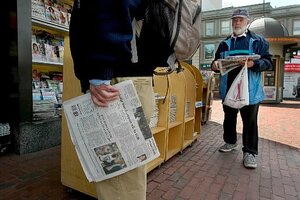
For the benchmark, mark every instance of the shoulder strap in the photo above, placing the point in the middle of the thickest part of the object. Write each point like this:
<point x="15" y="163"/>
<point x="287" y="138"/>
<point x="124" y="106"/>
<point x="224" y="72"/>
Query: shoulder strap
<point x="177" y="22"/>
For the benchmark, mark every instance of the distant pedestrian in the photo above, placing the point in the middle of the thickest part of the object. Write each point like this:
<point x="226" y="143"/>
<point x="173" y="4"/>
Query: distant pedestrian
<point x="243" y="42"/>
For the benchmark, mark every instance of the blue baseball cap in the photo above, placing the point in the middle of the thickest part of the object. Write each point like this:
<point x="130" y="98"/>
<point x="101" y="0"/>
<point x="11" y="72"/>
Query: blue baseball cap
<point x="240" y="13"/>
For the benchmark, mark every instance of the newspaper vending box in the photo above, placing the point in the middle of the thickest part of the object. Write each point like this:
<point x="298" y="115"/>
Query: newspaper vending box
<point x="273" y="82"/>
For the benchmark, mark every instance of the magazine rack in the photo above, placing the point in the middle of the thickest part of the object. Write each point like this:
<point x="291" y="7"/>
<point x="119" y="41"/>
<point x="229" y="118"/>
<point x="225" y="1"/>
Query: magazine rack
<point x="176" y="112"/>
<point x="171" y="136"/>
<point x="189" y="109"/>
<point x="160" y="131"/>
<point x="29" y="135"/>
<point x="198" y="102"/>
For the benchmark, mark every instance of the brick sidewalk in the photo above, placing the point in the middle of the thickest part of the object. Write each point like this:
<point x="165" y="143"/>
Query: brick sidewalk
<point x="277" y="122"/>
<point x="200" y="172"/>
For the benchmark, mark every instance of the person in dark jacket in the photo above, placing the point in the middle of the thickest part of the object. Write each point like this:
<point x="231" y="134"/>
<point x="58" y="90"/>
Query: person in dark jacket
<point x="243" y="42"/>
<point x="101" y="34"/>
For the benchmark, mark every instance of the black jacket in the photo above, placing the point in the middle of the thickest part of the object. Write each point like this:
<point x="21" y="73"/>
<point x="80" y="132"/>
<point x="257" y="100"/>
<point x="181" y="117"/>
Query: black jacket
<point x="100" y="40"/>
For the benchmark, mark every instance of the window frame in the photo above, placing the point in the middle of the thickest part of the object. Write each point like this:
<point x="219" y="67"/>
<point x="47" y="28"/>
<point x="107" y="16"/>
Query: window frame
<point x="209" y="55"/>
<point x="221" y="27"/>
<point x="213" y="28"/>
<point x="296" y="32"/>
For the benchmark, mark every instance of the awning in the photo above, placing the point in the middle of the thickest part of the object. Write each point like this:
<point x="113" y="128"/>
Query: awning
<point x="284" y="40"/>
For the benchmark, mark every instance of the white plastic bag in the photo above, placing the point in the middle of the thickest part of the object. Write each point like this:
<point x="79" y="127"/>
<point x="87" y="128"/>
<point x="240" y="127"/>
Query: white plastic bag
<point x="238" y="93"/>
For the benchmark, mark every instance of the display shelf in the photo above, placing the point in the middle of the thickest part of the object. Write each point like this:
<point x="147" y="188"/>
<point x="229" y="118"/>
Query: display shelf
<point x="198" y="102"/>
<point x="177" y="102"/>
<point x="160" y="139"/>
<point x="47" y="63"/>
<point x="174" y="124"/>
<point x="160" y="132"/>
<point x="29" y="135"/>
<point x="174" y="141"/>
<point x="155" y="130"/>
<point x="188" y="119"/>
<point x="49" y="25"/>
<point x="168" y="135"/>
<point x="188" y="137"/>
<point x="190" y="99"/>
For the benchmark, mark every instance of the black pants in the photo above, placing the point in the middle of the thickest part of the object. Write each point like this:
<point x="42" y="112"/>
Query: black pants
<point x="250" y="129"/>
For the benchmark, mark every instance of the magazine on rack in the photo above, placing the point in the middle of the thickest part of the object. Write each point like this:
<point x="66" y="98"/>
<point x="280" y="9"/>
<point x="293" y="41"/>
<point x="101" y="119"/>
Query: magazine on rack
<point x="231" y="62"/>
<point x="110" y="140"/>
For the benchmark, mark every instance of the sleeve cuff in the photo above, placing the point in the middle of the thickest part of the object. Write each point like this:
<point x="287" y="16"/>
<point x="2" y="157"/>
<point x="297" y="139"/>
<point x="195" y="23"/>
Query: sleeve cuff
<point x="99" y="82"/>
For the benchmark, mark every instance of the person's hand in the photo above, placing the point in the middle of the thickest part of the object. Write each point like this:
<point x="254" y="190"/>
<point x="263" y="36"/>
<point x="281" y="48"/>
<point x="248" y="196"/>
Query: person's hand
<point x="215" y="66"/>
<point x="250" y="63"/>
<point x="102" y="94"/>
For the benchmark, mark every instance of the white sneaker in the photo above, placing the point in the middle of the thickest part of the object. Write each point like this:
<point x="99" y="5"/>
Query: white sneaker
<point x="249" y="160"/>
<point x="228" y="147"/>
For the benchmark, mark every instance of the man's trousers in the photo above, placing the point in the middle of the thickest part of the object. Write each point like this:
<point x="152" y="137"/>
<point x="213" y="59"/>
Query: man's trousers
<point x="250" y="128"/>
<point x="132" y="184"/>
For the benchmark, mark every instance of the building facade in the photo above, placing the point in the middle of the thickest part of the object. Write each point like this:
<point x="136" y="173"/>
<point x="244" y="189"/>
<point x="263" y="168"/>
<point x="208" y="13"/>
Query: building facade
<point x="216" y="25"/>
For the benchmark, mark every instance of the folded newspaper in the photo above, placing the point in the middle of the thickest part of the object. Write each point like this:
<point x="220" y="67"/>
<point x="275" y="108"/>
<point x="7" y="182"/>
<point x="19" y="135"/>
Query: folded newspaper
<point x="110" y="140"/>
<point x="231" y="62"/>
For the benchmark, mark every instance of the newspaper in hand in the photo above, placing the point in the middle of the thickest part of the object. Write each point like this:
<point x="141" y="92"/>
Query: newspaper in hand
<point x="231" y="62"/>
<point x="110" y="140"/>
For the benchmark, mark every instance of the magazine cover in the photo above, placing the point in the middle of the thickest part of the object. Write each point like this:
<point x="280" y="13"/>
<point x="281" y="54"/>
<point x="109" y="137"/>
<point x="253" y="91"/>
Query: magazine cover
<point x="36" y="53"/>
<point x="41" y="45"/>
<point x="61" y="53"/>
<point x="63" y="18"/>
<point x="38" y="9"/>
<point x="50" y="53"/>
<point x="52" y="14"/>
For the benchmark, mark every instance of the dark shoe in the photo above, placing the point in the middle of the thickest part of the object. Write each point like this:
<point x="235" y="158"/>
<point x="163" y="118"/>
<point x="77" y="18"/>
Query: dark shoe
<point x="249" y="161"/>
<point x="228" y="147"/>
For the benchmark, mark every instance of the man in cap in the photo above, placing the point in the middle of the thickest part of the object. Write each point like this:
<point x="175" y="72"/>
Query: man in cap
<point x="243" y="42"/>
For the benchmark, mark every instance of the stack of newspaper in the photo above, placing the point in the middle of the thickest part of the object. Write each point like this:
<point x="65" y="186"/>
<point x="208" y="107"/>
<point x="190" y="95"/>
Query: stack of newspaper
<point x="173" y="109"/>
<point x="154" y="118"/>
<point x="110" y="140"/>
<point x="4" y="129"/>
<point x="231" y="62"/>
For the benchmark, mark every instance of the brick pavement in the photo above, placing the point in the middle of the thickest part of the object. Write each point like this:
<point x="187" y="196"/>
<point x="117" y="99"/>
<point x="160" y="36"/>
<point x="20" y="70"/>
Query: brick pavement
<point x="200" y="172"/>
<point x="277" y="122"/>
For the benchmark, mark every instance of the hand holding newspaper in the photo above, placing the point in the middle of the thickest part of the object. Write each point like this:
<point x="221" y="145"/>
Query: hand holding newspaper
<point x="231" y="62"/>
<point x="110" y="140"/>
